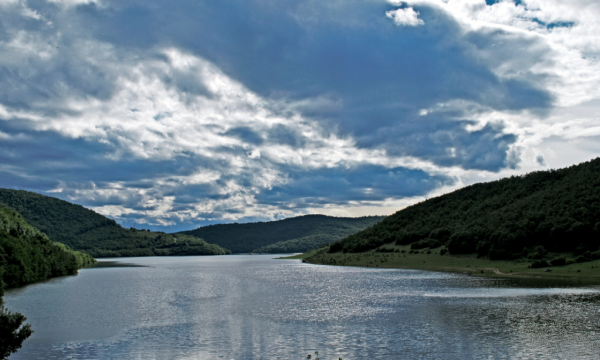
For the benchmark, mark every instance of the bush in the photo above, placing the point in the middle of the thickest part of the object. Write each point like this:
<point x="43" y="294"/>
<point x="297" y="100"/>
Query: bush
<point x="559" y="261"/>
<point x="443" y="251"/>
<point x="538" y="253"/>
<point x="335" y="247"/>
<point x="426" y="243"/>
<point x="539" y="264"/>
<point x="499" y="254"/>
<point x="584" y="258"/>
<point x="579" y="250"/>
<point x="483" y="248"/>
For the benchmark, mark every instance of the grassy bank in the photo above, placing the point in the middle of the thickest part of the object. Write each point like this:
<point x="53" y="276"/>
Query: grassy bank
<point x="588" y="272"/>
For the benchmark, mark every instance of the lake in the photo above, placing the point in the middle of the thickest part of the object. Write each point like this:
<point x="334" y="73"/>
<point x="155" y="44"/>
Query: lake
<point x="254" y="307"/>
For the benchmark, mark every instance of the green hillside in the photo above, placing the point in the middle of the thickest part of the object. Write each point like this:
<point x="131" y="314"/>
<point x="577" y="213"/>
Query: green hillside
<point x="521" y="217"/>
<point x="304" y="244"/>
<point x="27" y="256"/>
<point x="289" y="234"/>
<point x="97" y="235"/>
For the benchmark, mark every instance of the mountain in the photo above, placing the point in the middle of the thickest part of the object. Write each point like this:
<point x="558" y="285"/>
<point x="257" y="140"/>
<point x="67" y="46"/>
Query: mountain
<point x="518" y="217"/>
<point x="291" y="234"/>
<point x="97" y="235"/>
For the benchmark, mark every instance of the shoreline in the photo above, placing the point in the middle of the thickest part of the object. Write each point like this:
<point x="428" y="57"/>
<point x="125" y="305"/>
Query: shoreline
<point x="587" y="273"/>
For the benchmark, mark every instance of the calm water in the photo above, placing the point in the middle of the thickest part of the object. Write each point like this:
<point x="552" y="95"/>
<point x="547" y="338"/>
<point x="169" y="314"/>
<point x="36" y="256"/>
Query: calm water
<point x="253" y="307"/>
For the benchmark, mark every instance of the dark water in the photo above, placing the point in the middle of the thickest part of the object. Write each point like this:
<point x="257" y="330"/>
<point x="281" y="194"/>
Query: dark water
<point x="252" y="307"/>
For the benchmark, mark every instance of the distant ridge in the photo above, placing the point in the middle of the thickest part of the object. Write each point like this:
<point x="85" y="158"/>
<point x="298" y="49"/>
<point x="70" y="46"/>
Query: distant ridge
<point x="518" y="217"/>
<point x="295" y="234"/>
<point x="97" y="235"/>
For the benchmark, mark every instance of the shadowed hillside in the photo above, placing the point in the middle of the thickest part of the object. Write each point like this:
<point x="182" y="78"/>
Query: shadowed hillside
<point x="303" y="232"/>
<point x="97" y="235"/>
<point x="518" y="217"/>
<point x="27" y="256"/>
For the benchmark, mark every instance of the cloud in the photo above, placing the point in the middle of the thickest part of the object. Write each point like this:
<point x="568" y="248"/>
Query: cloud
<point x="540" y="160"/>
<point x="405" y="17"/>
<point x="179" y="113"/>
<point x="342" y="185"/>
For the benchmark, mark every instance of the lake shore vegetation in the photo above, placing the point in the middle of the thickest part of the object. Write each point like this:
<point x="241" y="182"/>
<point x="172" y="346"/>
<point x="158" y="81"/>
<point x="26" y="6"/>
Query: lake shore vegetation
<point x="393" y="256"/>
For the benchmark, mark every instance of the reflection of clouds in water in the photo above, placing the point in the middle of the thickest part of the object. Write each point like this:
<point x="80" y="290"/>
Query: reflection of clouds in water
<point x="486" y="293"/>
<point x="253" y="307"/>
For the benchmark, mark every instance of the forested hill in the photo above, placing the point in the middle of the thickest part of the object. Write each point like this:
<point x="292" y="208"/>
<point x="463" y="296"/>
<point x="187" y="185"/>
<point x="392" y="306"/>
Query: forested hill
<point x="27" y="255"/>
<point x="305" y="232"/>
<point x="97" y="235"/>
<point x="555" y="210"/>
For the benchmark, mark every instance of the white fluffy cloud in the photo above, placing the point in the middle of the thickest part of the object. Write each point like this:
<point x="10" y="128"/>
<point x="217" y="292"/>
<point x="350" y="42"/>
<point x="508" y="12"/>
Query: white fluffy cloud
<point x="560" y="52"/>
<point x="405" y="17"/>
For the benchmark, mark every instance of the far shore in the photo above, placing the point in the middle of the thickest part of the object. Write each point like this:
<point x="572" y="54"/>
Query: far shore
<point x="587" y="273"/>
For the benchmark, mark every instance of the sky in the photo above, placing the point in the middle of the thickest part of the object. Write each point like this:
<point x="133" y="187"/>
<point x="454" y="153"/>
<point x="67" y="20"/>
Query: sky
<point x="171" y="115"/>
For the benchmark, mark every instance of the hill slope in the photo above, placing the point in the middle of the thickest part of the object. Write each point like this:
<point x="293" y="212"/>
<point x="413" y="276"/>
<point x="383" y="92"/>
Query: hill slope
<point x="97" y="235"/>
<point x="517" y="217"/>
<point x="304" y="244"/>
<point x="304" y="230"/>
<point x="27" y="255"/>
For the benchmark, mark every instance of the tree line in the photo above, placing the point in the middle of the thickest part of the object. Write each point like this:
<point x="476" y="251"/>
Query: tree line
<point x="512" y="218"/>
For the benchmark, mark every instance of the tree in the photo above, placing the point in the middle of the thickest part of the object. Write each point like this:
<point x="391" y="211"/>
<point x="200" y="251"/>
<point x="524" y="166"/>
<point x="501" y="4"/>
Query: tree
<point x="12" y="331"/>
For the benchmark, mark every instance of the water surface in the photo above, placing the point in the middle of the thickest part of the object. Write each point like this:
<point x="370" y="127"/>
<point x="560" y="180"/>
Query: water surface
<point x="253" y="307"/>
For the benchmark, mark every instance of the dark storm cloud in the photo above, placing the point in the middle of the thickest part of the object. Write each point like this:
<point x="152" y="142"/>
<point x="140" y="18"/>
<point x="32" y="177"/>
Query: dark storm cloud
<point x="47" y="154"/>
<point x="339" y="186"/>
<point x="382" y="74"/>
<point x="280" y="134"/>
<point x="446" y="143"/>
<point x="341" y="64"/>
<point x="44" y="161"/>
<point x="245" y="134"/>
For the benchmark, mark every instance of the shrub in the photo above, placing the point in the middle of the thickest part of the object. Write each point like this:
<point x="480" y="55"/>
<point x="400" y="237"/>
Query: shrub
<point x="426" y="243"/>
<point x="539" y="264"/>
<point x="538" y="253"/>
<point x="335" y="247"/>
<point x="498" y="254"/>
<point x="559" y="261"/>
<point x="483" y="248"/>
<point x="579" y="250"/>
